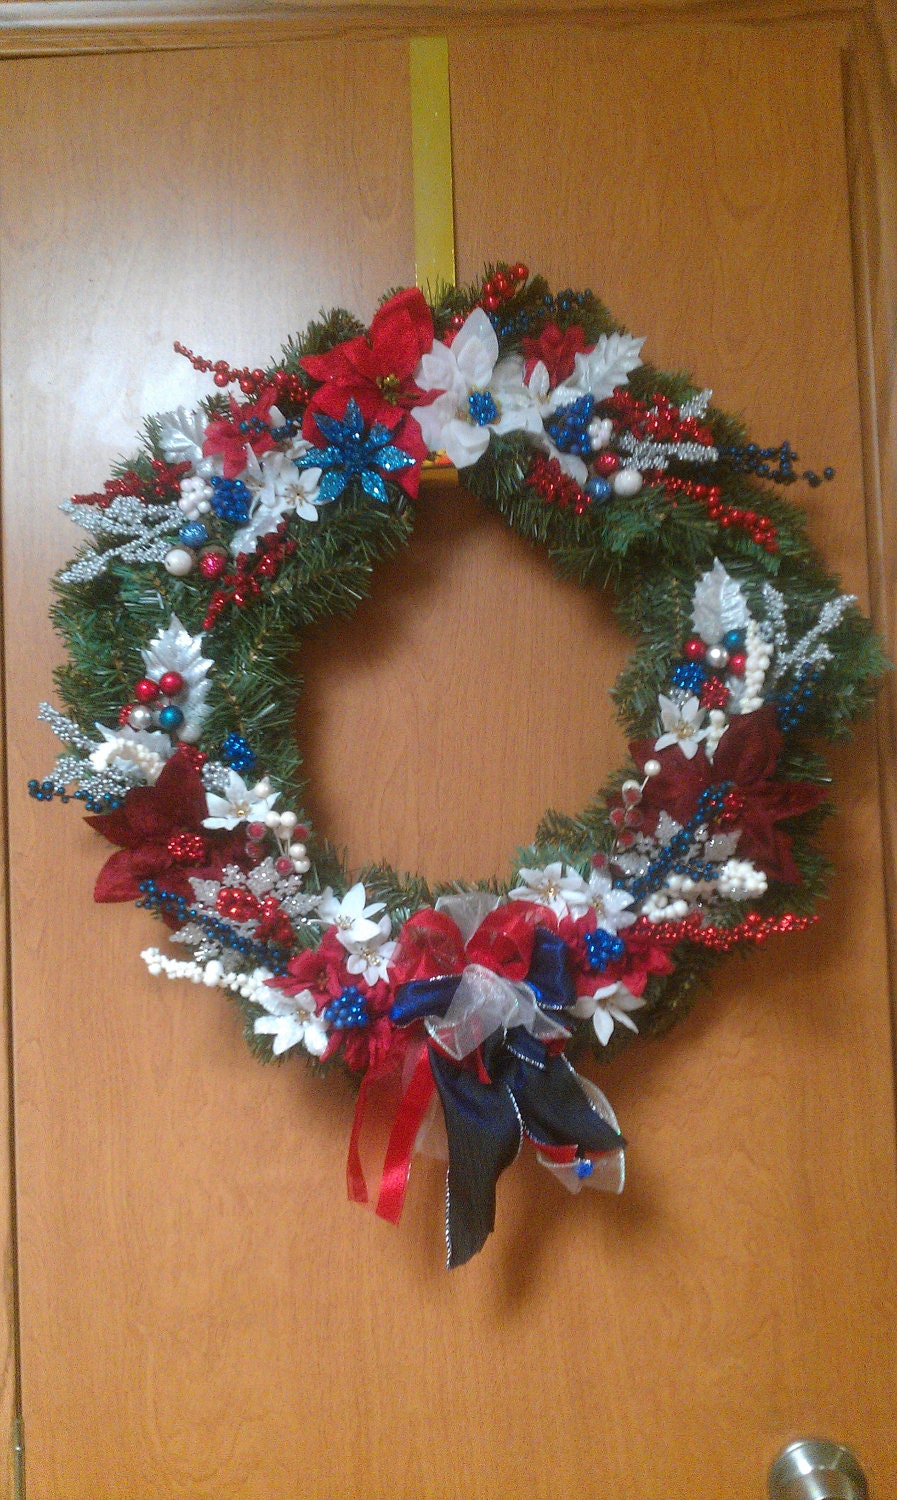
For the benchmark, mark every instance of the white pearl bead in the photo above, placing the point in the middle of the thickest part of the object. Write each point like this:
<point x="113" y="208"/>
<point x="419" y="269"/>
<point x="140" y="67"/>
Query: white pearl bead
<point x="652" y="768"/>
<point x="288" y="821"/>
<point x="717" y="657"/>
<point x="272" y="819"/>
<point x="263" y="788"/>
<point x="140" y="717"/>
<point x="301" y="866"/>
<point x="627" y="482"/>
<point x="179" y="562"/>
<point x="297" y="851"/>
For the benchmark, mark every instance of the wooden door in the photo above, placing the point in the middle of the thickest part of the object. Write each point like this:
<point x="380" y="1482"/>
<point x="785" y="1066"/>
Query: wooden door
<point x="202" y="1313"/>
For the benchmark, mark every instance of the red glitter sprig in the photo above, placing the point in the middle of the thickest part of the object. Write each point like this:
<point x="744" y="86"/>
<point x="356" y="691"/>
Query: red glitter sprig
<point x="548" y="479"/>
<point x="244" y="584"/>
<point x="164" y="485"/>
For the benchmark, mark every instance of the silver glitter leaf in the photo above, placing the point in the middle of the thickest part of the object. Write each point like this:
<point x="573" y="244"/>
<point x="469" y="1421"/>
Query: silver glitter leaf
<point x="718" y="605"/>
<point x="181" y="435"/>
<point x="176" y="650"/>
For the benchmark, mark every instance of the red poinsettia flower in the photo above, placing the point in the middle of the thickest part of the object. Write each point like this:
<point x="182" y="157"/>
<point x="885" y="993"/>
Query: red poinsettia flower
<point x="321" y="970"/>
<point x="556" y="348"/>
<point x="376" y="369"/>
<point x="644" y="955"/>
<point x="160" y="833"/>
<point x="247" y="426"/>
<point x="747" y="756"/>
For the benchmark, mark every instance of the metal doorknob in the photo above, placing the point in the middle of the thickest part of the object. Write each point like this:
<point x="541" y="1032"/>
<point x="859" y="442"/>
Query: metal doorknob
<point x="816" y="1469"/>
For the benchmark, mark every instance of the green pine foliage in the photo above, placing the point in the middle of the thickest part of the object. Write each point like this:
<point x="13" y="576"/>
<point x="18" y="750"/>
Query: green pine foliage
<point x="648" y="550"/>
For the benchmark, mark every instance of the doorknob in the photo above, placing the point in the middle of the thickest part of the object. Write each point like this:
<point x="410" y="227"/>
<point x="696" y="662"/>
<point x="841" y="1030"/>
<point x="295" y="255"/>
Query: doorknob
<point x="816" y="1469"/>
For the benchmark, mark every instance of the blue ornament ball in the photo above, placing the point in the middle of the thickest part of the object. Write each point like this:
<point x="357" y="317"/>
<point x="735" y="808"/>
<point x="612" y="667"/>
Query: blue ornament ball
<point x="171" y="717"/>
<point x="598" y="488"/>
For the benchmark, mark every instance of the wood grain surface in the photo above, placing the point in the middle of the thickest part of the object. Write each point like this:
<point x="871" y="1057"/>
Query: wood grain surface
<point x="203" y="1314"/>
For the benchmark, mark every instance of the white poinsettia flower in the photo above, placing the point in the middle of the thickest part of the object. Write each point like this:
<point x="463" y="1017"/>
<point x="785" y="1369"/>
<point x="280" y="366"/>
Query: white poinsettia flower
<point x="351" y="916"/>
<point x="601" y="371"/>
<point x="475" y="399"/>
<point x="239" y="803"/>
<point x="609" y="1006"/>
<point x="291" y="1021"/>
<point x="369" y="957"/>
<point x="138" y="754"/>
<point x="681" y="724"/>
<point x="563" y="892"/>
<point x="278" y="489"/>
<point x="609" y="904"/>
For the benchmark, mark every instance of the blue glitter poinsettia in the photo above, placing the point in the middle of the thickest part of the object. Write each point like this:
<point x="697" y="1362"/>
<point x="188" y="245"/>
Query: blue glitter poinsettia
<point x="353" y="453"/>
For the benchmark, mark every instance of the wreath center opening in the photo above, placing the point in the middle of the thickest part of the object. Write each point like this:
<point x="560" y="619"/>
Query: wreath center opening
<point x="466" y="695"/>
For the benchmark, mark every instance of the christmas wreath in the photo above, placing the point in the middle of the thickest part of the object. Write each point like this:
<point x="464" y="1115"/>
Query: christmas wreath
<point x="242" y="522"/>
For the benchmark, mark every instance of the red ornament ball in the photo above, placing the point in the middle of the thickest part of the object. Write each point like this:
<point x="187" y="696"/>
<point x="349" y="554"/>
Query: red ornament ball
<point x="146" y="691"/>
<point x="695" y="649"/>
<point x="212" y="562"/>
<point x="171" y="684"/>
<point x="737" y="663"/>
<point x="606" y="463"/>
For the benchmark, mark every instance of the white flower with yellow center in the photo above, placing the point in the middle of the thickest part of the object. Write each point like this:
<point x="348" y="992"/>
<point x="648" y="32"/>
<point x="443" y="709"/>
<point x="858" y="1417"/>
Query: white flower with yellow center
<point x="239" y="803"/>
<point x="681" y="724"/>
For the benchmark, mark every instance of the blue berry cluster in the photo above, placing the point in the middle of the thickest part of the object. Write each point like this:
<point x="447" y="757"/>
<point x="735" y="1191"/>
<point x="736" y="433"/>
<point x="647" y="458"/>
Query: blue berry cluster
<point x="231" y="499"/>
<point x="172" y="904"/>
<point x="603" y="948"/>
<point x="689" y="676"/>
<point x="776" y="464"/>
<point x="236" y="753"/>
<point x="45" y="791"/>
<point x="793" y="704"/>
<point x="583" y="1167"/>
<point x="482" y="408"/>
<point x="569" y="426"/>
<point x="672" y="858"/>
<point x="348" y="1009"/>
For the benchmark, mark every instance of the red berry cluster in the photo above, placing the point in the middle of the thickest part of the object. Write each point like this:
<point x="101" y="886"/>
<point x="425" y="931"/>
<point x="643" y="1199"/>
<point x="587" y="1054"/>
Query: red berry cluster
<point x="245" y="583"/>
<point x="754" y="929"/>
<point x="499" y="289"/>
<point x="251" y="382"/>
<point x="548" y="479"/>
<point x="187" y="848"/>
<point x="164" y="485"/>
<point x="242" y="906"/>
<point x="759" y="528"/>
<point x="714" y="693"/>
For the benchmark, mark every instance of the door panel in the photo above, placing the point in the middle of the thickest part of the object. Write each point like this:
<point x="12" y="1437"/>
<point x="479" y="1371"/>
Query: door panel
<point x="202" y="1312"/>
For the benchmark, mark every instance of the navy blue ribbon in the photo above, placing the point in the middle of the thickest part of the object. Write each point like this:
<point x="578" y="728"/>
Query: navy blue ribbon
<point x="529" y="1090"/>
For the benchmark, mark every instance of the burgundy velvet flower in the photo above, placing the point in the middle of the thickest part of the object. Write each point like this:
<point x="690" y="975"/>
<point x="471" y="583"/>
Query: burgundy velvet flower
<point x="160" y="834"/>
<point x="747" y="756"/>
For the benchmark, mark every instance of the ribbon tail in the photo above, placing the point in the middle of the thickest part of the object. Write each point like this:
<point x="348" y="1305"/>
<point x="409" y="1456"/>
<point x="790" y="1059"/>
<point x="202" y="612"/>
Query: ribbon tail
<point x="484" y="1136"/>
<point x="397" y="1162"/>
<point x="556" y="1109"/>
<point x="356" y="1187"/>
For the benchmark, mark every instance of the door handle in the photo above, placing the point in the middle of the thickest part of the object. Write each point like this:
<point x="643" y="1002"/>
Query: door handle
<point x="816" y="1469"/>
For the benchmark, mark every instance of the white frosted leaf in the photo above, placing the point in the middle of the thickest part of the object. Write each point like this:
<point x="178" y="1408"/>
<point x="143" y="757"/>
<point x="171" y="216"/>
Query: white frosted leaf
<point x="718" y="605"/>
<point x="176" y="650"/>
<point x="181" y="435"/>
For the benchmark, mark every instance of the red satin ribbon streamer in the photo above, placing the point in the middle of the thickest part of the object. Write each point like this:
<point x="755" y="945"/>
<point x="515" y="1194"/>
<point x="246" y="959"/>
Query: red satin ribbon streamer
<point x="382" y="1097"/>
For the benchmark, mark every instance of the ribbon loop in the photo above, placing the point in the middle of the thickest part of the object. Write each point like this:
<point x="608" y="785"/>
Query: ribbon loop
<point x="484" y="1003"/>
